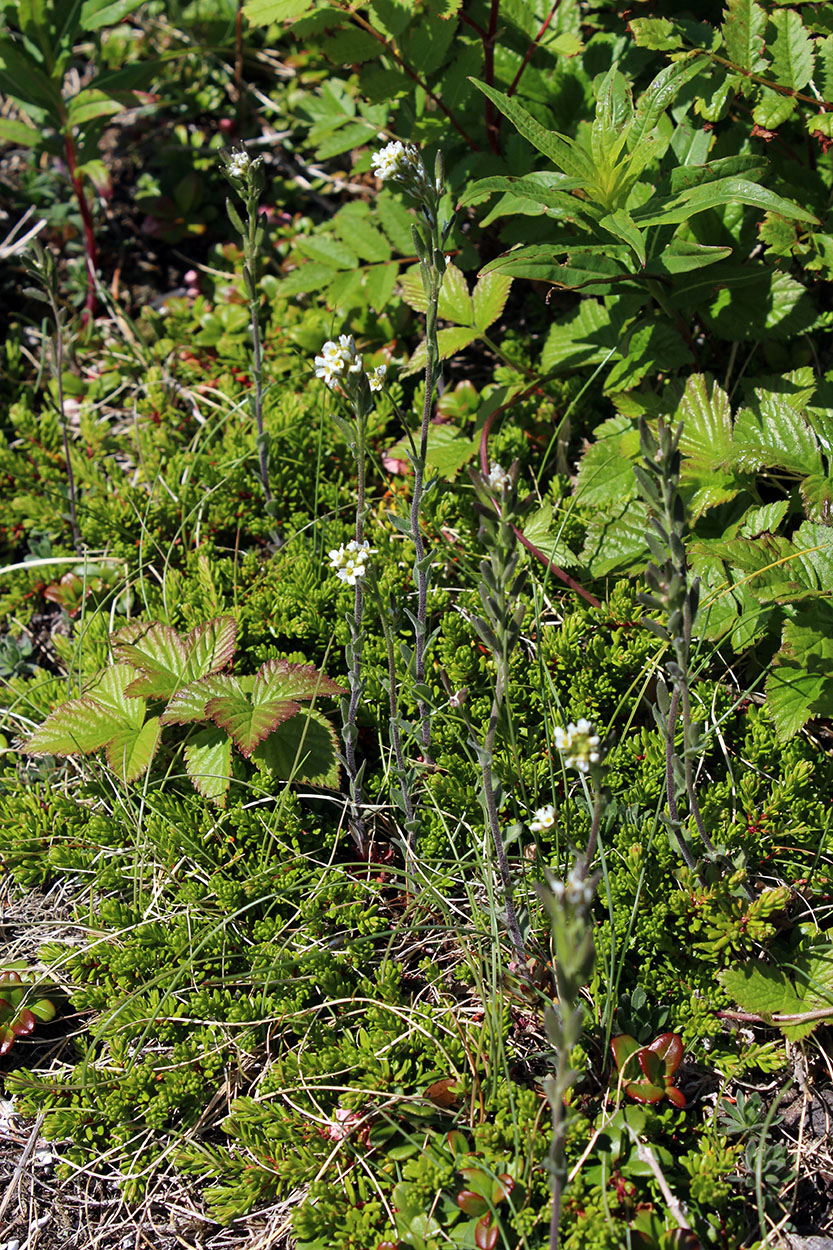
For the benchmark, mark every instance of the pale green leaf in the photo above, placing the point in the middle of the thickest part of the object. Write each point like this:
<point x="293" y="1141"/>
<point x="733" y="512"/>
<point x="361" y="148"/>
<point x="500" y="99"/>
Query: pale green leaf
<point x="92" y="103"/>
<point x="304" y="748"/>
<point x="167" y="662"/>
<point x="264" y="12"/>
<point x="19" y="133"/>
<point x="448" y="450"/>
<point x="606" y="473"/>
<point x="744" y="28"/>
<point x="455" y="303"/>
<point x="584" y="336"/>
<point x="189" y="703"/>
<point x="771" y="433"/>
<point x="489" y="298"/>
<point x="804" y="983"/>
<point x="772" y="109"/>
<point x="544" y="532"/>
<point x="132" y="747"/>
<point x="110" y="691"/>
<point x="77" y="728"/>
<point x="656" y="33"/>
<point x="760" y="303"/>
<point x="451" y="340"/>
<point x="616" y="539"/>
<point x="681" y="256"/>
<point x="707" y="422"/>
<point x="792" y="50"/>
<point x="98" y="13"/>
<point x="621" y="224"/>
<point x="665" y="211"/>
<point x="208" y="763"/>
<point x="327" y="251"/>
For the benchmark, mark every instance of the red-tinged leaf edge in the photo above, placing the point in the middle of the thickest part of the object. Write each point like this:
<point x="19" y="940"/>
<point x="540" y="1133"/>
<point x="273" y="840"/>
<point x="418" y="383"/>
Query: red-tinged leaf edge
<point x="485" y="1233"/>
<point x="6" y="1039"/>
<point x="471" y="1203"/>
<point x="24" y="1024"/>
<point x="502" y="1188"/>
<point x="219" y="711"/>
<point x="676" y="1096"/>
<point x="669" y="1047"/>
<point x="624" y="1047"/>
<point x="652" y="1066"/>
<point x="643" y="1091"/>
<point x="314" y="684"/>
<point x="458" y="1143"/>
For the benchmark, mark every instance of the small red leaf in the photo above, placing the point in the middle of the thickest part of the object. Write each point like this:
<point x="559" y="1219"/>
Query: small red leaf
<point x="485" y="1235"/>
<point x="669" y="1047"/>
<point x="24" y="1024"/>
<point x="502" y="1188"/>
<point x="676" y="1096"/>
<point x="471" y="1203"/>
<point x="652" y="1066"/>
<point x="6" y="1040"/>
<point x="624" y="1047"/>
<point x="645" y="1092"/>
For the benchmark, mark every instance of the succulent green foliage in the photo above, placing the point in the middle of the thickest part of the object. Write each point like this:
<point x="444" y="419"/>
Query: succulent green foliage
<point x="20" y="1007"/>
<point x="174" y="680"/>
<point x="647" y="1072"/>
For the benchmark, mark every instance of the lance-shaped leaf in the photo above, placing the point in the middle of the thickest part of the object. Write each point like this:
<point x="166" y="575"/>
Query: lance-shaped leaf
<point x="167" y="662"/>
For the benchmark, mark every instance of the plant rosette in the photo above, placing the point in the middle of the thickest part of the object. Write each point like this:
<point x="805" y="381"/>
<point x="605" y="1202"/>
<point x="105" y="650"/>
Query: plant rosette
<point x="647" y="1072"/>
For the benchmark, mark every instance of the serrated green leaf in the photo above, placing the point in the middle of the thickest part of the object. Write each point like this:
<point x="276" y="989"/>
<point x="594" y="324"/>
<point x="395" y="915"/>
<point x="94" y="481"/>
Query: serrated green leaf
<point x="744" y="28"/>
<point x="448" y="450"/>
<point x="360" y="234"/>
<point x="455" y="303"/>
<point x="658" y="34"/>
<point x="78" y="728"/>
<point x="616" y="539"/>
<point x="544" y="532"/>
<point x="327" y="251"/>
<point x="760" y="304"/>
<point x="167" y="662"/>
<point x="250" y="714"/>
<point x="304" y="748"/>
<point x="132" y="748"/>
<point x="773" y="109"/>
<point x="564" y="153"/>
<point x="792" y="50"/>
<point x="208" y="763"/>
<point x="707" y="422"/>
<point x="770" y="433"/>
<point x="379" y="284"/>
<point x="805" y="986"/>
<point x="489" y="298"/>
<point x="605" y="473"/>
<point x="110" y="691"/>
<point x="188" y="704"/>
<point x="264" y="12"/>
<point x="584" y="336"/>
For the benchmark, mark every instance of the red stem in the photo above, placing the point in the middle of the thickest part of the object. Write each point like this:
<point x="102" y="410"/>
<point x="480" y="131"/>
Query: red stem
<point x="492" y="124"/>
<point x="533" y="44"/>
<point x="90" y="245"/>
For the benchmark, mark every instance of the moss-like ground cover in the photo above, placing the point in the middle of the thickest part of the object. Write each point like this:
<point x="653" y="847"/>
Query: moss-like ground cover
<point x="327" y="921"/>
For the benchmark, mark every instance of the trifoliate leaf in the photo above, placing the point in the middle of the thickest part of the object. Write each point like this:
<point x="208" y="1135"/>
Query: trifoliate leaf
<point x="166" y="661"/>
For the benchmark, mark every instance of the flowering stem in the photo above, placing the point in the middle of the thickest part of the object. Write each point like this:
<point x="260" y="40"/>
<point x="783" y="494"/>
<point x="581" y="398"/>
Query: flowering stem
<point x="90" y="246"/>
<point x="350" y="731"/>
<point x="421" y="567"/>
<point x="250" y="272"/>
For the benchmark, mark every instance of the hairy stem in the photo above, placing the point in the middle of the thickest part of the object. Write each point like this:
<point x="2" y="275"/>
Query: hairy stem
<point x="257" y="351"/>
<point x="494" y="823"/>
<point x="356" y="640"/>
<point x="90" y="245"/>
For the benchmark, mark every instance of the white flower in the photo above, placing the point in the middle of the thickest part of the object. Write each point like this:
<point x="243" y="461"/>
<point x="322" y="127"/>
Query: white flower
<point x="579" y="745"/>
<point x="498" y="478"/>
<point x="376" y="377"/>
<point x="543" y="819"/>
<point x="350" y="561"/>
<point x="402" y="162"/>
<point x="338" y="359"/>
<point x="238" y="165"/>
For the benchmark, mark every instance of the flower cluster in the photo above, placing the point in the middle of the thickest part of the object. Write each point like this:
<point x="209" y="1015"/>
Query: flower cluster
<point x="498" y="478"/>
<point x="340" y="362"/>
<point x="402" y="163"/>
<point x="543" y="820"/>
<point x="350" y="561"/>
<point x="579" y="745"/>
<point x="238" y="165"/>
<point x="576" y="891"/>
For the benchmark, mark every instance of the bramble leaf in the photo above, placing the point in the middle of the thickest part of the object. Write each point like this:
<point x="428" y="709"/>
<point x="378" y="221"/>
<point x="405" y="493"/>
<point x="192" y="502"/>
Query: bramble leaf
<point x="208" y="763"/>
<point x="167" y="662"/>
<point x="304" y="748"/>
